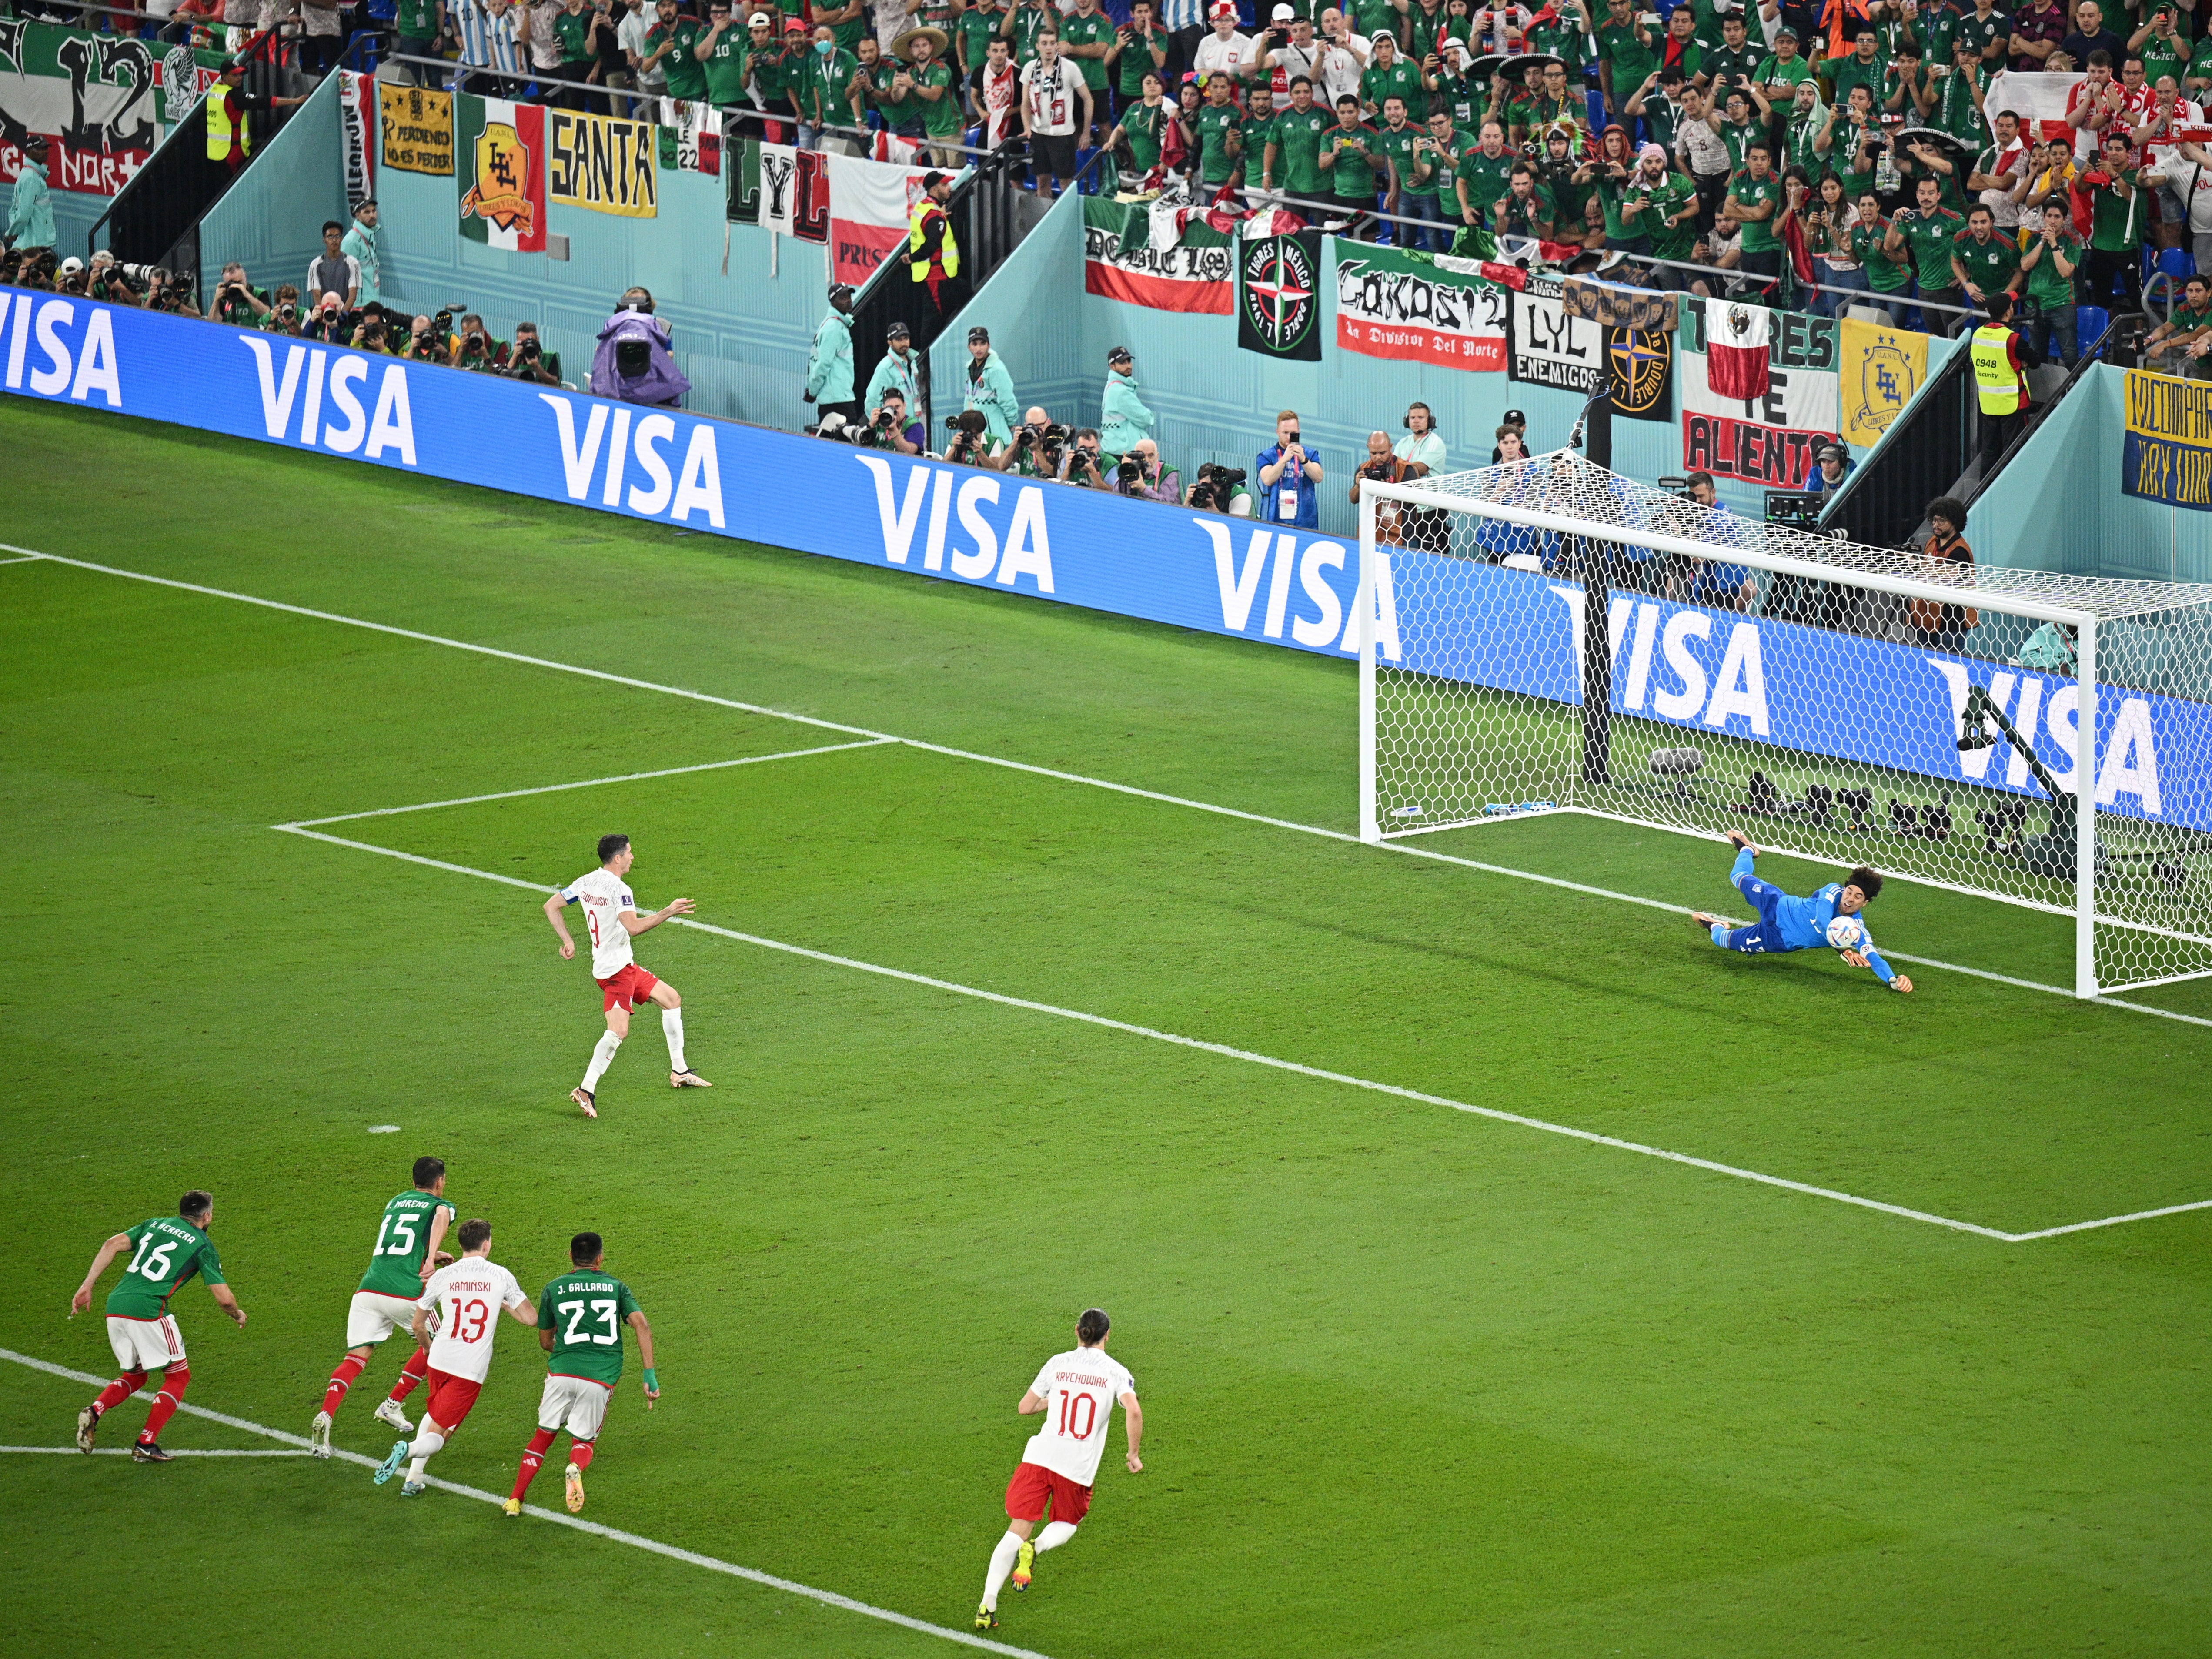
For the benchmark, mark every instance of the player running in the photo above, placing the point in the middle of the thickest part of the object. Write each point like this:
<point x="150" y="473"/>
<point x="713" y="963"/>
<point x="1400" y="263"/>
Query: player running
<point x="610" y="913"/>
<point x="1786" y="923"/>
<point x="165" y="1252"/>
<point x="1076" y="1391"/>
<point x="467" y="1296"/>
<point x="404" y="1256"/>
<point x="579" y="1320"/>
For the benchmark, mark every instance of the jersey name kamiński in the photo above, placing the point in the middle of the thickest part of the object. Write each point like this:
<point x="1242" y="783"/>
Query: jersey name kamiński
<point x="468" y="1295"/>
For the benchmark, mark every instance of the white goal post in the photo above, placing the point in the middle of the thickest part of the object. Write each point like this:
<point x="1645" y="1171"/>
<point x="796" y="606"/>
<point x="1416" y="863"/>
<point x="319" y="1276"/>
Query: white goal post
<point x="1548" y="636"/>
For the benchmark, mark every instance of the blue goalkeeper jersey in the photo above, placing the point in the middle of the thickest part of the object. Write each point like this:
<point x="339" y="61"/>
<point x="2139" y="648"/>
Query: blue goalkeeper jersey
<point x="1804" y="924"/>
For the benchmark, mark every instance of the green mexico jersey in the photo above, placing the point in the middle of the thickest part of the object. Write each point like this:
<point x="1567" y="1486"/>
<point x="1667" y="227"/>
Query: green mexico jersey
<point x="1218" y="124"/>
<point x="1562" y="37"/>
<point x="1872" y="73"/>
<point x="1143" y="123"/>
<point x="1956" y="111"/>
<point x="974" y="31"/>
<point x="1135" y="62"/>
<point x="574" y="30"/>
<point x="2117" y="224"/>
<point x="1400" y="80"/>
<point x="1526" y="216"/>
<point x="1621" y="45"/>
<point x="586" y="1312"/>
<point x="1989" y="264"/>
<point x="1779" y="72"/>
<point x="395" y="1265"/>
<point x="1758" y="235"/>
<point x="165" y="1252"/>
<point x="821" y="83"/>
<point x="1927" y="237"/>
<point x="1487" y="178"/>
<point x="686" y="74"/>
<point x="2045" y="285"/>
<point x="1658" y="202"/>
<point x="2163" y="56"/>
<point x="941" y="117"/>
<point x="724" y="67"/>
<point x="1096" y="30"/>
<point x="1887" y="274"/>
<point x="1725" y="63"/>
<point x="1978" y="31"/>
<point x="1739" y="136"/>
<point x="418" y="19"/>
<point x="1351" y="177"/>
<point x="1369" y="16"/>
<point x="1030" y="22"/>
<point x="1456" y="94"/>
<point x="1397" y="143"/>
<point x="1298" y="139"/>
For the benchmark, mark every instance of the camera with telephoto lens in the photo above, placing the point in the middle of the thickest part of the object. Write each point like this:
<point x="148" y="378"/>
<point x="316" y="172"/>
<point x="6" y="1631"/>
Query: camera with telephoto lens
<point x="1129" y="476"/>
<point x="1216" y="487"/>
<point x="443" y="321"/>
<point x="970" y="426"/>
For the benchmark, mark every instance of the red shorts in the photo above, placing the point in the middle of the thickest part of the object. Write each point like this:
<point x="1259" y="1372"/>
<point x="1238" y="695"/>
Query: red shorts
<point x="1032" y="1485"/>
<point x="451" y="1399"/>
<point x="632" y="987"/>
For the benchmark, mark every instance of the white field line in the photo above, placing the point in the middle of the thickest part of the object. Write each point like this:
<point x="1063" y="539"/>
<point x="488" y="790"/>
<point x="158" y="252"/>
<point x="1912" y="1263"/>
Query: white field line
<point x="592" y="783"/>
<point x="1023" y="765"/>
<point x="23" y="558"/>
<point x="828" y="1598"/>
<point x="181" y="1451"/>
<point x="1229" y="1052"/>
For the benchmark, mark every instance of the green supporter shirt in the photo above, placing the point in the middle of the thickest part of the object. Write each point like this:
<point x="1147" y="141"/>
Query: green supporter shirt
<point x="1888" y="274"/>
<point x="2045" y="285"/>
<point x="1135" y="62"/>
<point x="686" y="74"/>
<point x="822" y="82"/>
<point x="1739" y="137"/>
<point x="1369" y="16"/>
<point x="2200" y="61"/>
<point x="1608" y="201"/>
<point x="1030" y="22"/>
<point x="1990" y="265"/>
<point x="417" y="19"/>
<point x="1217" y="126"/>
<point x="2117" y="224"/>
<point x="1533" y="217"/>
<point x="1096" y="30"/>
<point x="1723" y="63"/>
<point x="725" y="68"/>
<point x="1488" y="178"/>
<point x="574" y="30"/>
<point x="1927" y="237"/>
<point x="2160" y="59"/>
<point x="1956" y="111"/>
<point x="1350" y="177"/>
<point x="1663" y="119"/>
<point x="395" y="1264"/>
<point x="1298" y="137"/>
<point x="1871" y="73"/>
<point x="1977" y="32"/>
<point x="1458" y="95"/>
<point x="896" y="112"/>
<point x="1661" y="201"/>
<point x="1398" y="144"/>
<point x="1758" y="235"/>
<point x="1621" y="45"/>
<point x="585" y="1311"/>
<point x="1428" y="27"/>
<point x="1144" y="123"/>
<point x="1935" y="28"/>
<point x="165" y="1252"/>
<point x="976" y="28"/>
<point x="1779" y="71"/>
<point x="1563" y="37"/>
<point x="941" y="118"/>
<point x="1402" y="80"/>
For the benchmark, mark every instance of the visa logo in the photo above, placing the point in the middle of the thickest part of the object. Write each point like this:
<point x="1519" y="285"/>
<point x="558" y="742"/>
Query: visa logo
<point x="313" y="375"/>
<point x="935" y="496"/>
<point x="72" y="358"/>
<point x="1335" y="624"/>
<point x="696" y="487"/>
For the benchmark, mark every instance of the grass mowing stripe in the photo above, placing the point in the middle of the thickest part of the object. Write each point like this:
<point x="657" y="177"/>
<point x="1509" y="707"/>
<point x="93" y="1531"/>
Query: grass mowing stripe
<point x="1245" y="1054"/>
<point x="829" y="1598"/>
<point x="592" y="783"/>
<point x="1025" y="766"/>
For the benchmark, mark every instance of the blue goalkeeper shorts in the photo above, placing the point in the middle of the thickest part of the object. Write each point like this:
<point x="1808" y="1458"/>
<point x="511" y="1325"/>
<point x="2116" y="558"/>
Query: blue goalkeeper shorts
<point x="1764" y="935"/>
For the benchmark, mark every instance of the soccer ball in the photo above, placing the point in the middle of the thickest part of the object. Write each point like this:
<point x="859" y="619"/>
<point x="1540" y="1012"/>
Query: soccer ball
<point x="1847" y="933"/>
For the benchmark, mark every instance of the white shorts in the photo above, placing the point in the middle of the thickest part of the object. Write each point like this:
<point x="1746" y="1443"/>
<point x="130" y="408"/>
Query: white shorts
<point x="574" y="1403"/>
<point x="146" y="1345"/>
<point x="375" y="1317"/>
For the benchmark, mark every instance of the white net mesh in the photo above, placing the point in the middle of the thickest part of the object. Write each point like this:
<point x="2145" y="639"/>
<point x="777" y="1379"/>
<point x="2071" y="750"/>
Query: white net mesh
<point x="1814" y="709"/>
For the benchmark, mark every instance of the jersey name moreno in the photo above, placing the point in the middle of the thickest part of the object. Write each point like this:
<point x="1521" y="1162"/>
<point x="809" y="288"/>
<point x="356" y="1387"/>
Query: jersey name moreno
<point x="395" y="1264"/>
<point x="605" y="897"/>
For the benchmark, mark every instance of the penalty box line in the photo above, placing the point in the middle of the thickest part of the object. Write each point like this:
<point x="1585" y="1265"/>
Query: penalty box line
<point x="601" y="674"/>
<point x="1588" y="1136"/>
<point x="828" y="1598"/>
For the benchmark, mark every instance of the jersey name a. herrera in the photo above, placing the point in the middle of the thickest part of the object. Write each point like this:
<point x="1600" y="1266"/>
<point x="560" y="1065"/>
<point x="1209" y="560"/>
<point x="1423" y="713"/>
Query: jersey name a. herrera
<point x="1079" y="1389"/>
<point x="469" y="1295"/>
<point x="604" y="896"/>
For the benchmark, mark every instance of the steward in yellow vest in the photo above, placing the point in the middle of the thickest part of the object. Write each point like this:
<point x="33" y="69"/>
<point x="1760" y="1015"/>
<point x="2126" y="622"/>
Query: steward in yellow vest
<point x="229" y="140"/>
<point x="931" y="255"/>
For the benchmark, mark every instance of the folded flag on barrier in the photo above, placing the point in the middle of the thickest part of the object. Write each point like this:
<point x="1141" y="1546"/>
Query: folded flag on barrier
<point x="499" y="164"/>
<point x="1736" y="338"/>
<point x="1189" y="269"/>
<point x="870" y="205"/>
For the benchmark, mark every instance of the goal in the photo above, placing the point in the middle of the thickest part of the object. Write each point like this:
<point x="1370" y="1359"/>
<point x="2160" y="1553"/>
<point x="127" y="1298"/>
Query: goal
<point x="1547" y="637"/>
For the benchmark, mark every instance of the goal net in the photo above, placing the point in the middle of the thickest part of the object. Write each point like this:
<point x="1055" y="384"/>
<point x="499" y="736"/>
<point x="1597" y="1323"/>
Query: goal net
<point x="1547" y="637"/>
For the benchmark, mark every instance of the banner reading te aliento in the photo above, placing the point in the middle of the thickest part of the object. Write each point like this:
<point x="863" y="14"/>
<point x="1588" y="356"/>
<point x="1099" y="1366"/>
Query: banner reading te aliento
<point x="2168" y="456"/>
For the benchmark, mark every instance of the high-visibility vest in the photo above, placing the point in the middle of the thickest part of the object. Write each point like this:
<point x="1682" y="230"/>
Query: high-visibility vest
<point x="224" y="130"/>
<point x="1995" y="378"/>
<point x="948" y="256"/>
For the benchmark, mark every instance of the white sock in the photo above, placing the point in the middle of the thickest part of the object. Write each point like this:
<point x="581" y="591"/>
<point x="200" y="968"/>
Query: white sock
<point x="671" y="1027"/>
<point x="1002" y="1563"/>
<point x="428" y="1441"/>
<point x="1056" y="1534"/>
<point x="602" y="1057"/>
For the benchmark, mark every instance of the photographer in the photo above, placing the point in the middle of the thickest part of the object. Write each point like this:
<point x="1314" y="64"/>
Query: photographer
<point x="633" y="361"/>
<point x="891" y="428"/>
<point x="425" y="342"/>
<point x="1288" y="477"/>
<point x="970" y="445"/>
<point x="331" y="323"/>
<point x="1220" y="490"/>
<point x="530" y="360"/>
<point x="1140" y="474"/>
<point x="236" y="302"/>
<point x="1085" y="465"/>
<point x="284" y="313"/>
<point x="71" y="278"/>
<point x="374" y="332"/>
<point x="107" y="282"/>
<point x="476" y="348"/>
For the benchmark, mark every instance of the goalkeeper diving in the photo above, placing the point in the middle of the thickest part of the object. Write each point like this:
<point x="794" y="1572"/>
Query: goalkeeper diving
<point x="1831" y="917"/>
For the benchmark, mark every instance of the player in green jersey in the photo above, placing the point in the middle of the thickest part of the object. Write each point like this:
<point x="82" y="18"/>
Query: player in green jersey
<point x="165" y="1252"/>
<point x="579" y="1320"/>
<point x="401" y="1260"/>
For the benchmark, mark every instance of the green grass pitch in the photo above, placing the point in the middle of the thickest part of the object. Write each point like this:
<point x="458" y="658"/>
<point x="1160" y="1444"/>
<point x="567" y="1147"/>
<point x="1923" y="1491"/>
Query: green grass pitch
<point x="1416" y="1383"/>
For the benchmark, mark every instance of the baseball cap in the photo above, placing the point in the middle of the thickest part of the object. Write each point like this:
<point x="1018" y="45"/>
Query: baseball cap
<point x="71" y="266"/>
<point x="759" y="20"/>
<point x="931" y="181"/>
<point x="1120" y="355"/>
<point x="1282" y="15"/>
<point x="1785" y="30"/>
<point x="979" y="334"/>
<point x="1513" y="417"/>
<point x="1837" y="452"/>
<point x="895" y="332"/>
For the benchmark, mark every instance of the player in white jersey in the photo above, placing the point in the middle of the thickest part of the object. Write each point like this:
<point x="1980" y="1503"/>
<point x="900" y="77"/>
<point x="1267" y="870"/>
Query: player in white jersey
<point x="467" y="1296"/>
<point x="1076" y="1392"/>
<point x="610" y="917"/>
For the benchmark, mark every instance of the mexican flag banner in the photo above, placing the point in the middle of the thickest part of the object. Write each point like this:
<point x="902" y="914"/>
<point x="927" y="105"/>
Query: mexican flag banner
<point x="100" y="101"/>
<point x="499" y="163"/>
<point x="1419" y="308"/>
<point x="1191" y="270"/>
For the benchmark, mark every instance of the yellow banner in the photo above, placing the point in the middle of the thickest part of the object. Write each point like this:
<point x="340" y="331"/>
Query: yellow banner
<point x="599" y="162"/>
<point x="2160" y="406"/>
<point x="1879" y="370"/>
<point x="418" y="125"/>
